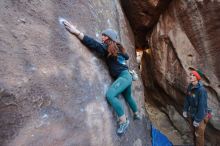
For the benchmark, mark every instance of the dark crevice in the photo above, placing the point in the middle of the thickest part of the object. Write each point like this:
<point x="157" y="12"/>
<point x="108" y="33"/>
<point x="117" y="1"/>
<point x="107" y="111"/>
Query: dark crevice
<point x="152" y="89"/>
<point x="143" y="16"/>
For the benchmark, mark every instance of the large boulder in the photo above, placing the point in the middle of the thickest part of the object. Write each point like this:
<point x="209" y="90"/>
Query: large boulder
<point x="52" y="88"/>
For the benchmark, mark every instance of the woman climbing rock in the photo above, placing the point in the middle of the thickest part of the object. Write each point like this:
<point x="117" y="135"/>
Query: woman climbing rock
<point x="115" y="55"/>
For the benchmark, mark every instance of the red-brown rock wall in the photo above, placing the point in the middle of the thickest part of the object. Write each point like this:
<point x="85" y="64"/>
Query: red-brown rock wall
<point x="52" y="88"/>
<point x="187" y="36"/>
<point x="178" y="35"/>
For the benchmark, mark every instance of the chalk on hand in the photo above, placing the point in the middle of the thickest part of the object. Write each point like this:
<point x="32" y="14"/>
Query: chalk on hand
<point x="62" y="20"/>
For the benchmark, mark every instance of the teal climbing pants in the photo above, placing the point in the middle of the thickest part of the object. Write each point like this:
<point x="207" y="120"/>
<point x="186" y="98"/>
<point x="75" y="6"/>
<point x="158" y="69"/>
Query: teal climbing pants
<point x="122" y="85"/>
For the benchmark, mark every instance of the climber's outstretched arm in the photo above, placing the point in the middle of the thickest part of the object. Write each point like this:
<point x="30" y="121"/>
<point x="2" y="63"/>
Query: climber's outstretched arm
<point x="86" y="40"/>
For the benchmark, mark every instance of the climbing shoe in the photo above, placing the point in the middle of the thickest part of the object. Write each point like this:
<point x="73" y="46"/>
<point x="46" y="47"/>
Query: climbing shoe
<point x="137" y="117"/>
<point x="122" y="127"/>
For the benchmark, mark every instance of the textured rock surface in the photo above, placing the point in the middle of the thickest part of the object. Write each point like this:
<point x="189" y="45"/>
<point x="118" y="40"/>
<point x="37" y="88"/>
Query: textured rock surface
<point x="52" y="87"/>
<point x="187" y="35"/>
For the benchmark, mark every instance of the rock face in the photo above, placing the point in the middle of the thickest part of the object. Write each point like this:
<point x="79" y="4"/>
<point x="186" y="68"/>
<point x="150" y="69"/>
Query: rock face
<point x="52" y="87"/>
<point x="186" y="36"/>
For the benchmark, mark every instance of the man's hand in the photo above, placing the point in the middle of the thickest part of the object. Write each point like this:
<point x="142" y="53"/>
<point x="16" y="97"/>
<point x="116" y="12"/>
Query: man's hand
<point x="195" y="124"/>
<point x="185" y="114"/>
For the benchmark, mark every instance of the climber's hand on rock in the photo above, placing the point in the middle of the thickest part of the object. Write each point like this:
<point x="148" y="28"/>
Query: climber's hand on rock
<point x="71" y="28"/>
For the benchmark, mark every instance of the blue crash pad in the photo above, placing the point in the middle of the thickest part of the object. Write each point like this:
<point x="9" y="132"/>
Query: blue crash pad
<point x="158" y="139"/>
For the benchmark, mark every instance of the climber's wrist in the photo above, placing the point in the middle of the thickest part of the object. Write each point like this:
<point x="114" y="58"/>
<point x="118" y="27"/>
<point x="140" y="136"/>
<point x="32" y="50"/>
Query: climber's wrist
<point x="80" y="36"/>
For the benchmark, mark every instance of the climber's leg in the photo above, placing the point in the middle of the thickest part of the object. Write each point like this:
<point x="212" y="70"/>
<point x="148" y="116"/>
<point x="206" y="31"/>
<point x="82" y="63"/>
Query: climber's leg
<point x="118" y="86"/>
<point x="129" y="99"/>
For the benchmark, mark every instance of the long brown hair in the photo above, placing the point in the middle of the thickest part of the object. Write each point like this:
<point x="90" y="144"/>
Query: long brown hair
<point x="114" y="48"/>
